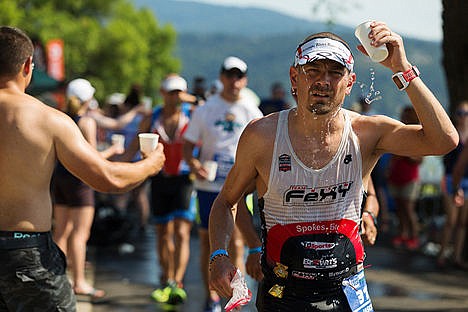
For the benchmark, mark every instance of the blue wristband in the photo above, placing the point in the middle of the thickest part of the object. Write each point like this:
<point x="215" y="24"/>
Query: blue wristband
<point x="255" y="250"/>
<point x="218" y="252"/>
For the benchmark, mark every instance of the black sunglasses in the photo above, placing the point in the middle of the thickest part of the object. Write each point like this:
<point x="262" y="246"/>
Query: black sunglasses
<point x="233" y="74"/>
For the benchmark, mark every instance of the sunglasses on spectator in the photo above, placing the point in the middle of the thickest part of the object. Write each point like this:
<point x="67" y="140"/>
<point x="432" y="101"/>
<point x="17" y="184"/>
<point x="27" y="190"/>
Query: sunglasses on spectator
<point x="233" y="74"/>
<point x="462" y="113"/>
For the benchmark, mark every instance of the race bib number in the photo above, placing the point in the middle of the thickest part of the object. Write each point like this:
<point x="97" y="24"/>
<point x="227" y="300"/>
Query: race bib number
<point x="355" y="289"/>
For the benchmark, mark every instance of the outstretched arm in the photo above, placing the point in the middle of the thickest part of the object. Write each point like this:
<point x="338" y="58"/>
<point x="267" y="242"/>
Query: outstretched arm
<point x="115" y="123"/>
<point x="85" y="162"/>
<point x="88" y="127"/>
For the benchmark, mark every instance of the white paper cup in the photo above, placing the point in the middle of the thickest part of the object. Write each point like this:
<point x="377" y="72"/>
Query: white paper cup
<point x="376" y="54"/>
<point x="211" y="167"/>
<point x="148" y="142"/>
<point x="118" y="139"/>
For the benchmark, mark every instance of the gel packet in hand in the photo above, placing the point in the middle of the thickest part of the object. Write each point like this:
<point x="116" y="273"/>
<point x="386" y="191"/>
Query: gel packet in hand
<point x="241" y="295"/>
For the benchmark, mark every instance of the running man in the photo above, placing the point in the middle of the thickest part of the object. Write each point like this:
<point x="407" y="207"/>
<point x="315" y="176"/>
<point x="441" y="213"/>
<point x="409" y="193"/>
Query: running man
<point x="310" y="165"/>
<point x="171" y="190"/>
<point x="217" y="126"/>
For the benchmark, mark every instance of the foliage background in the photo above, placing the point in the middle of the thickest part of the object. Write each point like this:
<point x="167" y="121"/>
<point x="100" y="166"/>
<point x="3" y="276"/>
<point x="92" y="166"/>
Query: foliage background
<point x="109" y="42"/>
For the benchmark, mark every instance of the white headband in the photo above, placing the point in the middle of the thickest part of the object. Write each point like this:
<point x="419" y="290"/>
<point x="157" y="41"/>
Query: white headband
<point x="324" y="48"/>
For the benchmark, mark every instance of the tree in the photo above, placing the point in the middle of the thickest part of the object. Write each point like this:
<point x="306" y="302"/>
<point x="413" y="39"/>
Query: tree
<point x="11" y="14"/>
<point x="108" y="42"/>
<point x="455" y="47"/>
<point x="133" y="48"/>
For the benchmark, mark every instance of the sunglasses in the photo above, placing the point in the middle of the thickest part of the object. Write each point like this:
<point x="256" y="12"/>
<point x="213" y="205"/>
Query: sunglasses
<point x="462" y="113"/>
<point x="233" y="74"/>
<point x="174" y="92"/>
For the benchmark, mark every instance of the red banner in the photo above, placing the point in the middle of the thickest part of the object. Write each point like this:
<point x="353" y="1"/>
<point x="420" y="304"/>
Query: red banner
<point x="55" y="59"/>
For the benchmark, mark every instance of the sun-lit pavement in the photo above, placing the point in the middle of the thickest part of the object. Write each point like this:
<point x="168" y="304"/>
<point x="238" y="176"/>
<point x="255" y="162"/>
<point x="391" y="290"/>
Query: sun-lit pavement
<point x="398" y="280"/>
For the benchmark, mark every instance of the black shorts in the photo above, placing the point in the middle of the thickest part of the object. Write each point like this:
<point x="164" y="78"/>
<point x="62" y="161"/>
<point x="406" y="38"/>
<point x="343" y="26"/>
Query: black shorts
<point x="70" y="191"/>
<point x="33" y="275"/>
<point x="171" y="197"/>
<point x="330" y="299"/>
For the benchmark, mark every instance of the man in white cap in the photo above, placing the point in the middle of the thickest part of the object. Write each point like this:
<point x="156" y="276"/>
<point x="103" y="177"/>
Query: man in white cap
<point x="217" y="126"/>
<point x="310" y="165"/>
<point x="171" y="189"/>
<point x="33" y="137"/>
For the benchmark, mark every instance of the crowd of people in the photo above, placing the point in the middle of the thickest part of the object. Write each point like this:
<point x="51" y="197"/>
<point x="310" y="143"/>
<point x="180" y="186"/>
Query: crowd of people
<point x="310" y="164"/>
<point x="400" y="188"/>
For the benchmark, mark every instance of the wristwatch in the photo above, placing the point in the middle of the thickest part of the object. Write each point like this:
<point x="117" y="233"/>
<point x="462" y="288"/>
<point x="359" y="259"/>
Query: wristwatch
<point x="402" y="79"/>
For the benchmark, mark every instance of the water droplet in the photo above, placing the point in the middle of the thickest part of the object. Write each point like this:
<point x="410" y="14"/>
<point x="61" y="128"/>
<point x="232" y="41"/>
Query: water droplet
<point x="369" y="93"/>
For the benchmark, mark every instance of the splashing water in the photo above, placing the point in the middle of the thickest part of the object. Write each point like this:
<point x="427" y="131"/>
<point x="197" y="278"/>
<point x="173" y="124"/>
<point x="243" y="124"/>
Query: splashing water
<point x="369" y="94"/>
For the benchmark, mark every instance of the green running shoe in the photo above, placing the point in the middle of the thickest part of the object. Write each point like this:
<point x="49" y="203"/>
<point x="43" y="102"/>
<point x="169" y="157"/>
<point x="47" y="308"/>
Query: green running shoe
<point x="162" y="295"/>
<point x="178" y="295"/>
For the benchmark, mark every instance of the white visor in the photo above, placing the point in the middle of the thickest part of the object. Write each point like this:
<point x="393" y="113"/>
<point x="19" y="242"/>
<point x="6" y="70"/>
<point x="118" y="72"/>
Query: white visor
<point x="324" y="48"/>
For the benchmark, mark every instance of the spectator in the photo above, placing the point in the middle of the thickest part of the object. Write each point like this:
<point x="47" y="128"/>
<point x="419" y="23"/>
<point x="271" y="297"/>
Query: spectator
<point x="405" y="186"/>
<point x="456" y="192"/>
<point x="199" y="89"/>
<point x="277" y="100"/>
<point x="73" y="199"/>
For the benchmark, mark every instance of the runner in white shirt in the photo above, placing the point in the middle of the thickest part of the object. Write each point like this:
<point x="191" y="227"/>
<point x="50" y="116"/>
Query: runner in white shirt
<point x="217" y="127"/>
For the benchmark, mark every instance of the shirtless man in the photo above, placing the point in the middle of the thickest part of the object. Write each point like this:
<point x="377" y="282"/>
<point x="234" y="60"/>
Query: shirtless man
<point x="33" y="137"/>
<point x="310" y="165"/>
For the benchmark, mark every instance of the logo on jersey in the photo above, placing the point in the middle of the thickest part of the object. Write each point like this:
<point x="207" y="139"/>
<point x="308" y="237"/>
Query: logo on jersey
<point x="348" y="159"/>
<point x="339" y="273"/>
<point x="304" y="275"/>
<point x="284" y="162"/>
<point x="228" y="124"/>
<point x="304" y="195"/>
<point x="323" y="263"/>
<point x="318" y="245"/>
